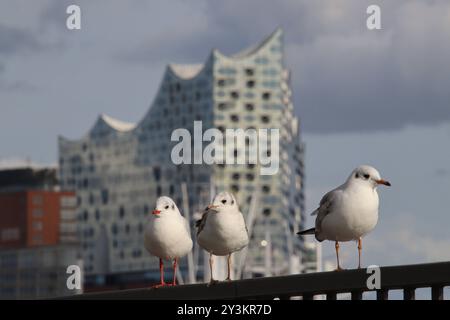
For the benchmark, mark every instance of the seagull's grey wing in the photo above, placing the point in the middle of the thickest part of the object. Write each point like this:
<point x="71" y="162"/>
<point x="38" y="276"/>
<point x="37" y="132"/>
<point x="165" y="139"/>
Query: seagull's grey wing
<point x="325" y="207"/>
<point x="200" y="224"/>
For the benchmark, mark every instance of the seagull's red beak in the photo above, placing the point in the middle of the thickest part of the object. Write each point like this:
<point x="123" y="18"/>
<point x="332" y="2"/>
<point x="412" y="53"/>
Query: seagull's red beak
<point x="156" y="212"/>
<point x="211" y="206"/>
<point x="382" y="181"/>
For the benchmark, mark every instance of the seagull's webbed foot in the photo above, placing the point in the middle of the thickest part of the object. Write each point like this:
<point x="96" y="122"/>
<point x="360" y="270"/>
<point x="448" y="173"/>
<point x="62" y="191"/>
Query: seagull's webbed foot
<point x="159" y="285"/>
<point x="213" y="282"/>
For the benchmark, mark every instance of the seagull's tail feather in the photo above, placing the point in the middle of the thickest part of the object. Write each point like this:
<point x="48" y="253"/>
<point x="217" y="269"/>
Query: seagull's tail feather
<point x="307" y="231"/>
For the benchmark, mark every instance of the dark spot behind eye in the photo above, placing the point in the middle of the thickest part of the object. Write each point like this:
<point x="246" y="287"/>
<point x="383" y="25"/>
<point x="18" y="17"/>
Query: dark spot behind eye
<point x="173" y="207"/>
<point x="356" y="175"/>
<point x="224" y="201"/>
<point x="232" y="201"/>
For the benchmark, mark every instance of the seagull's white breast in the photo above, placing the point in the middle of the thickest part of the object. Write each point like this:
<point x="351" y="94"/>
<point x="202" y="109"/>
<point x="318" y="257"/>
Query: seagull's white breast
<point x="223" y="233"/>
<point x="354" y="213"/>
<point x="167" y="237"/>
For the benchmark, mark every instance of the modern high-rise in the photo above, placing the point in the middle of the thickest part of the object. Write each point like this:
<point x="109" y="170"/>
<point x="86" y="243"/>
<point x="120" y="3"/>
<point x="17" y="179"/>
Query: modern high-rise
<point x="119" y="169"/>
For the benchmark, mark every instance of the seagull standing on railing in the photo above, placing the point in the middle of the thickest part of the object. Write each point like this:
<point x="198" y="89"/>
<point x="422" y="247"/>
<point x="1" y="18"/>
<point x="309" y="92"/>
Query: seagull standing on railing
<point x="350" y="211"/>
<point x="167" y="235"/>
<point x="222" y="230"/>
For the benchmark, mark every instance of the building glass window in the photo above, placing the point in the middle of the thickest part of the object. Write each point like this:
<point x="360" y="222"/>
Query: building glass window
<point x="37" y="213"/>
<point x="266" y="95"/>
<point x="37" y="200"/>
<point x="222" y="106"/>
<point x="157" y="173"/>
<point x="105" y="196"/>
<point x="158" y="191"/>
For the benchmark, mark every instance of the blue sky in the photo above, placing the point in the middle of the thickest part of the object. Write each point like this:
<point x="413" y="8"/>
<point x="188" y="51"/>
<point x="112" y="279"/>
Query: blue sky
<point x="376" y="97"/>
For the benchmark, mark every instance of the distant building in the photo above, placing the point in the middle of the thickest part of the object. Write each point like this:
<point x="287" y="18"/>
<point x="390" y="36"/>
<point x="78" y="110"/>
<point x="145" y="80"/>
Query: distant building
<point x="38" y="272"/>
<point x="28" y="178"/>
<point x="38" y="234"/>
<point x="118" y="169"/>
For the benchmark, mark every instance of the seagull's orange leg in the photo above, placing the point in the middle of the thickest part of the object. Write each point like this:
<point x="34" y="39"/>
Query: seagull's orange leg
<point x="359" y="252"/>
<point x="161" y="272"/>
<point x="336" y="246"/>
<point x="175" y="262"/>
<point x="229" y="268"/>
<point x="211" y="262"/>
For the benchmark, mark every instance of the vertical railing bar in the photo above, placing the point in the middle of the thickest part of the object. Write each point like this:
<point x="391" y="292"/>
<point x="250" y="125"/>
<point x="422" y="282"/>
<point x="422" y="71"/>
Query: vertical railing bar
<point x="357" y="295"/>
<point x="308" y="296"/>
<point x="437" y="293"/>
<point x="332" y="296"/>
<point x="382" y="294"/>
<point x="409" y="294"/>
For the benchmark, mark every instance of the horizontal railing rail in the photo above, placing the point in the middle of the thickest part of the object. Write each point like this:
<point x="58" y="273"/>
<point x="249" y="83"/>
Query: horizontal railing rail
<point x="408" y="278"/>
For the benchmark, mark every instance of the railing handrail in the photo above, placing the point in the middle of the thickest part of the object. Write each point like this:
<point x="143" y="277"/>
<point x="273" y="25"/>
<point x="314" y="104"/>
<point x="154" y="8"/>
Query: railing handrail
<point x="406" y="277"/>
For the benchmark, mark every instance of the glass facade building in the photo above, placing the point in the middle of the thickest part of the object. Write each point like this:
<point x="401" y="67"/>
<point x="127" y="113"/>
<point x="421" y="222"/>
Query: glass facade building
<point x="119" y="169"/>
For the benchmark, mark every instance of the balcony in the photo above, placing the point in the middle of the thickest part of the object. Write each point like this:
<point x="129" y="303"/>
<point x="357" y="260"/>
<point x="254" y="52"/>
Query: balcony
<point x="408" y="278"/>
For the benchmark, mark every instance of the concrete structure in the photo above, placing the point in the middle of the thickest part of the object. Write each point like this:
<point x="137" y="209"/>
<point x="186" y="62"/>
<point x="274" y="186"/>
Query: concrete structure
<point x="118" y="169"/>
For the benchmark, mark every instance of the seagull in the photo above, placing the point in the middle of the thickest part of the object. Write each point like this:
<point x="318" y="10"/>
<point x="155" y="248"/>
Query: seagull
<point x="167" y="235"/>
<point x="350" y="211"/>
<point x="222" y="230"/>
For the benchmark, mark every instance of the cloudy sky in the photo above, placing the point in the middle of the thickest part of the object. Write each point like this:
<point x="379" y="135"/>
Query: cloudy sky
<point x="378" y="97"/>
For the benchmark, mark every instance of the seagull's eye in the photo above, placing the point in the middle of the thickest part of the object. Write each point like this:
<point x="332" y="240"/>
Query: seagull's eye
<point x="366" y="176"/>
<point x="166" y="207"/>
<point x="356" y="176"/>
<point x="224" y="201"/>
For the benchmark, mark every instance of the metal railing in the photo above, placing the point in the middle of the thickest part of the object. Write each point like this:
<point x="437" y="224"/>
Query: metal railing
<point x="305" y="286"/>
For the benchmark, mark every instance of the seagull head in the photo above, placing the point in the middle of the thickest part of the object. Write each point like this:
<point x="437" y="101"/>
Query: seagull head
<point x="367" y="175"/>
<point x="165" y="206"/>
<point x="223" y="200"/>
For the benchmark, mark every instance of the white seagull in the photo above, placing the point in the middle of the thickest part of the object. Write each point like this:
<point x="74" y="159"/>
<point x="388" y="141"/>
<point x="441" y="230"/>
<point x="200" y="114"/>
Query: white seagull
<point x="167" y="235"/>
<point x="350" y="211"/>
<point x="222" y="230"/>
